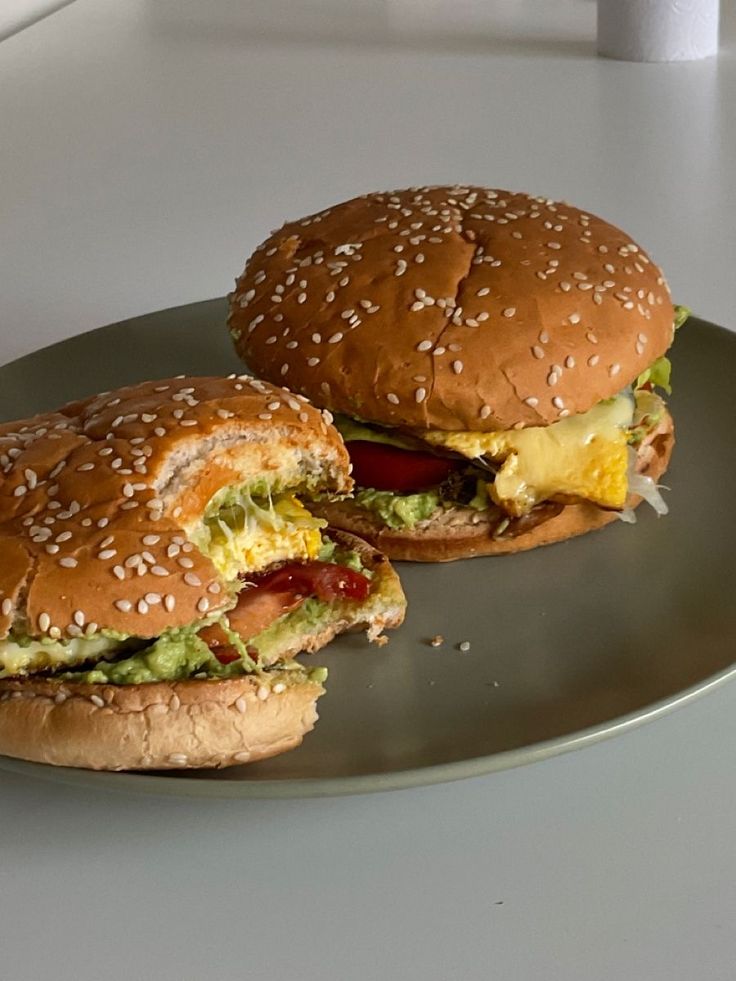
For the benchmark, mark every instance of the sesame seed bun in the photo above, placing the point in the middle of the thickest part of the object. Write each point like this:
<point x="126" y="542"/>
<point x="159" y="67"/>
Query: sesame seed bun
<point x="461" y="533"/>
<point x="455" y="308"/>
<point x="179" y="725"/>
<point x="97" y="499"/>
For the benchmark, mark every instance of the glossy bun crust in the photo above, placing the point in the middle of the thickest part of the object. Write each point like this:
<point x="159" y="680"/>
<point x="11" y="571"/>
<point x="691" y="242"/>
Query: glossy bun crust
<point x="97" y="499"/>
<point x="463" y="533"/>
<point x="455" y="308"/>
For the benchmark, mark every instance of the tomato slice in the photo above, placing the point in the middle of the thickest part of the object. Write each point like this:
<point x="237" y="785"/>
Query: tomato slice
<point x="225" y="655"/>
<point x="325" y="580"/>
<point x="256" y="610"/>
<point x="391" y="468"/>
<point x="272" y="594"/>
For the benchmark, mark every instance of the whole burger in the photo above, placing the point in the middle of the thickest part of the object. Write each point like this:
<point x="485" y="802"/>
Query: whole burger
<point x="491" y="358"/>
<point x="160" y="571"/>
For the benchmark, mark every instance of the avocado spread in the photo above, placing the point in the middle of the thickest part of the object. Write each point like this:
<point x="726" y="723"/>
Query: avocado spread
<point x="399" y="510"/>
<point x="180" y="653"/>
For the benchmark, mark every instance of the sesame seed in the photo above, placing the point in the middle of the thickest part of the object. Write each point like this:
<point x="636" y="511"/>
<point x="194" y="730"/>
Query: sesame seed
<point x="593" y="360"/>
<point x="158" y="570"/>
<point x="68" y="562"/>
<point x="263" y="693"/>
<point x="543" y="337"/>
<point x="464" y="646"/>
<point x="125" y="606"/>
<point x="393" y="398"/>
<point x="7" y="606"/>
<point x="191" y="579"/>
<point x="151" y="539"/>
<point x="203" y="605"/>
<point x="336" y="338"/>
<point x="614" y="370"/>
<point x="169" y="602"/>
<point x="591" y="337"/>
<point x="241" y="705"/>
<point x="483" y="292"/>
<point x="311" y="362"/>
<point x="569" y="361"/>
<point x="574" y="318"/>
<point x="44" y="622"/>
<point x="142" y="607"/>
<point x="552" y="378"/>
<point x="531" y="401"/>
<point x="457" y="367"/>
<point x="96" y="700"/>
<point x="424" y="345"/>
<point x="439" y="351"/>
<point x="558" y="403"/>
<point x="20" y="490"/>
<point x="118" y="571"/>
<point x="152" y="598"/>
<point x="485" y="411"/>
<point x="509" y="311"/>
<point x="537" y="351"/>
<point x="420" y="394"/>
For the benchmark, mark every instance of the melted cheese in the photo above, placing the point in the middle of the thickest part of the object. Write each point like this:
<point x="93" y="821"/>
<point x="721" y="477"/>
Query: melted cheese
<point x="34" y="655"/>
<point x="581" y="457"/>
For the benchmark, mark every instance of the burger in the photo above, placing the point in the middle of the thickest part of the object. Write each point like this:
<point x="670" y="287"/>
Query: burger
<point x="161" y="571"/>
<point x="495" y="363"/>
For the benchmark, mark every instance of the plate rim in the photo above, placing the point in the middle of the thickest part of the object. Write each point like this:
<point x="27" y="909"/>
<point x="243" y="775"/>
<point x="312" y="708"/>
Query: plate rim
<point x="296" y="788"/>
<point x="182" y="785"/>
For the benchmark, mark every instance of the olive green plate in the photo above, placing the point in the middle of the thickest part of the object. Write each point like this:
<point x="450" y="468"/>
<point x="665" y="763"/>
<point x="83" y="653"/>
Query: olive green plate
<point x="569" y="643"/>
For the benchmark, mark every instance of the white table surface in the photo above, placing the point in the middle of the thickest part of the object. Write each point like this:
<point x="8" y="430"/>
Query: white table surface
<point x="145" y="148"/>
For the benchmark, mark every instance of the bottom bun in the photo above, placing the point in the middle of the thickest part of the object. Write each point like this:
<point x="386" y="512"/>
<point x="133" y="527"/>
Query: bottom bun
<point x="461" y="533"/>
<point x="157" y="726"/>
<point x="194" y="723"/>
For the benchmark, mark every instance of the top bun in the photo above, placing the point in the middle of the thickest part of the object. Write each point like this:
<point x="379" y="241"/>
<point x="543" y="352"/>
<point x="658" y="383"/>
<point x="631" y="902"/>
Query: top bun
<point x="97" y="499"/>
<point x="456" y="308"/>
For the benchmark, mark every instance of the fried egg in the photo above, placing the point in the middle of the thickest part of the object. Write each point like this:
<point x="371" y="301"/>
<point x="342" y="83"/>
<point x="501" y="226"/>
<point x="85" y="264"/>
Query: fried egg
<point x="582" y="457"/>
<point x="249" y="536"/>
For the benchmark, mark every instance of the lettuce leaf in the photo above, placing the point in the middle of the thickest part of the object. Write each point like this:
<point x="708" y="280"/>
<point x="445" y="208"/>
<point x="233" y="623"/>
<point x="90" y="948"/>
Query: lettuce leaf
<point x="657" y="374"/>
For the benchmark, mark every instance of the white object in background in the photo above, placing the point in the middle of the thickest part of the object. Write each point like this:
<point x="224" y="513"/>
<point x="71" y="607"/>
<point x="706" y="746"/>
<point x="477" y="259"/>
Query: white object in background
<point x="17" y="14"/>
<point x="657" y="30"/>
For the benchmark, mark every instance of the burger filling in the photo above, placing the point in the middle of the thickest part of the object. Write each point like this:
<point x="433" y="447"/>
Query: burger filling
<point x="286" y="581"/>
<point x="405" y="478"/>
